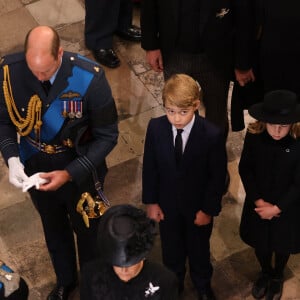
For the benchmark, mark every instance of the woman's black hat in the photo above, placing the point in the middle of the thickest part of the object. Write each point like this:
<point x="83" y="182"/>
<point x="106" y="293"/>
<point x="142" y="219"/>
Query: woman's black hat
<point x="278" y="107"/>
<point x="125" y="235"/>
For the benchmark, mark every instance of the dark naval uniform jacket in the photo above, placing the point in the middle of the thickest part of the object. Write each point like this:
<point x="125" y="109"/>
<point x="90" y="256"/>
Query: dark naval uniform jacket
<point x="98" y="109"/>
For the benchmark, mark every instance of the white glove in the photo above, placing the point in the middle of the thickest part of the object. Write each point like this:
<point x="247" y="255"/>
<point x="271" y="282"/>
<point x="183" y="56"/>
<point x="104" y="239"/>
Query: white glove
<point x="16" y="172"/>
<point x="34" y="180"/>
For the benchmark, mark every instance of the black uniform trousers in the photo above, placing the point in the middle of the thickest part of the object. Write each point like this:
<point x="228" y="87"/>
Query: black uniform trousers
<point x="182" y="239"/>
<point x="103" y="18"/>
<point x="214" y="82"/>
<point x="59" y="218"/>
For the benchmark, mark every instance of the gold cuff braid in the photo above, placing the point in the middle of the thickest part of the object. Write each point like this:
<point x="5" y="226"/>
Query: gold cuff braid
<point x="34" y="109"/>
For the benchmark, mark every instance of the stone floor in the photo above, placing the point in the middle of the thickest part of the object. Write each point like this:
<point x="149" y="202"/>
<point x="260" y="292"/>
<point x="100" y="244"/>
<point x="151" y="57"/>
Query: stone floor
<point x="137" y="93"/>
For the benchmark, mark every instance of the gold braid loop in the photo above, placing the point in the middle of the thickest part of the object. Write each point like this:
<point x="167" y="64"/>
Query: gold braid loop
<point x="33" y="118"/>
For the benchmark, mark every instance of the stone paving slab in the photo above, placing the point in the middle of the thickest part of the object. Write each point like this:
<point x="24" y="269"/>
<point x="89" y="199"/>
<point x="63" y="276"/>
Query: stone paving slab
<point x="56" y="13"/>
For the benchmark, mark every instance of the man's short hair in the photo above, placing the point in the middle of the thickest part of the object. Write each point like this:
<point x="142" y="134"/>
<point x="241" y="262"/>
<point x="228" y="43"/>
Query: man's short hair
<point x="55" y="44"/>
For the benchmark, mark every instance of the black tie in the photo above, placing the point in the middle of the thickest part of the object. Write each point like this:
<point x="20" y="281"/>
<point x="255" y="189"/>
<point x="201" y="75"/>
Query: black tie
<point x="178" y="146"/>
<point x="46" y="86"/>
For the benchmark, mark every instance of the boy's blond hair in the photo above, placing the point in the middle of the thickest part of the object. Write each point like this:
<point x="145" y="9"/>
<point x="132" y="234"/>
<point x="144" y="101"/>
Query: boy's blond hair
<point x="259" y="126"/>
<point x="181" y="90"/>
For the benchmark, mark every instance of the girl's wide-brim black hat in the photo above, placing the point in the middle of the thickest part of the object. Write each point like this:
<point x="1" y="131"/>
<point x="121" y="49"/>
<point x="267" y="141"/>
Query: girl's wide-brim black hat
<point x="278" y="107"/>
<point x="125" y="235"/>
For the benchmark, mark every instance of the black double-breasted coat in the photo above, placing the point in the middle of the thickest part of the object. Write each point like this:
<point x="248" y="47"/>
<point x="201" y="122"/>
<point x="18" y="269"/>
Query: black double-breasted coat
<point x="224" y="28"/>
<point x="270" y="170"/>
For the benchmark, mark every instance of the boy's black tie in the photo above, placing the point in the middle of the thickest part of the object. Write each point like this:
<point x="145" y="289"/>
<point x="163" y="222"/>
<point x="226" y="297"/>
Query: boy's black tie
<point x="46" y="86"/>
<point x="178" y="145"/>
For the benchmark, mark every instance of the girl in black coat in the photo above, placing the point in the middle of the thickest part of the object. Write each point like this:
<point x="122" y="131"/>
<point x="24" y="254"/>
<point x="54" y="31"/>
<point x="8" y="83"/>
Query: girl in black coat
<point x="270" y="172"/>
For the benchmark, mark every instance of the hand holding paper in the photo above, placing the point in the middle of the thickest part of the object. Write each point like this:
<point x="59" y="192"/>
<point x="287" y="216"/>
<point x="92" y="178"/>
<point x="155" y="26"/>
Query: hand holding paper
<point x="33" y="181"/>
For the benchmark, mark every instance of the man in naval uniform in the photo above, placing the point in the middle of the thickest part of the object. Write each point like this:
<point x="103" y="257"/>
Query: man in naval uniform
<point x="51" y="99"/>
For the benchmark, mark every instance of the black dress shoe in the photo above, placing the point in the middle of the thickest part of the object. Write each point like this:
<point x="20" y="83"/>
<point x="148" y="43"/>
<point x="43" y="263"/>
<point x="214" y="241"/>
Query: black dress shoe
<point x="61" y="292"/>
<point x="107" y="57"/>
<point x="132" y="33"/>
<point x="275" y="289"/>
<point x="260" y="286"/>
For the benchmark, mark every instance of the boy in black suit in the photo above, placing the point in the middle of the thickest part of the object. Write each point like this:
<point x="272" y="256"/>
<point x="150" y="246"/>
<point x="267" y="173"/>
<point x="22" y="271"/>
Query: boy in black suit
<point x="183" y="181"/>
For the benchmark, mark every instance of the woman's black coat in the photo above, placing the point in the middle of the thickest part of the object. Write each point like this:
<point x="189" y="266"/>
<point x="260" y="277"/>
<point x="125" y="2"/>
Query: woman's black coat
<point x="270" y="170"/>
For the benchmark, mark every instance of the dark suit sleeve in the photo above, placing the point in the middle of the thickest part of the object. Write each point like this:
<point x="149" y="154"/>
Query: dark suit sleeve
<point x="8" y="137"/>
<point x="103" y="121"/>
<point x="150" y="177"/>
<point x="217" y="166"/>
<point x="244" y="33"/>
<point x="149" y="25"/>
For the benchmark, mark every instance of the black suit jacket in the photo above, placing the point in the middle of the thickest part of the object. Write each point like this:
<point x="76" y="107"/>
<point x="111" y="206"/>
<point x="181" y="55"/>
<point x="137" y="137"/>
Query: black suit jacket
<point x="198" y="183"/>
<point x="226" y="37"/>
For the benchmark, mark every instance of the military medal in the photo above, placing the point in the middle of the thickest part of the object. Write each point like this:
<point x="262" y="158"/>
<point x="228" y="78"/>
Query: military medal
<point x="78" y="112"/>
<point x="64" y="111"/>
<point x="71" y="105"/>
<point x="71" y="110"/>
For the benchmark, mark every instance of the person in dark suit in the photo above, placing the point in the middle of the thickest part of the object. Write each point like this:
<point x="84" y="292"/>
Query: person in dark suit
<point x="204" y="39"/>
<point x="276" y="67"/>
<point x="51" y="121"/>
<point x="183" y="181"/>
<point x="279" y="65"/>
<point x="103" y="19"/>
<point x="270" y="172"/>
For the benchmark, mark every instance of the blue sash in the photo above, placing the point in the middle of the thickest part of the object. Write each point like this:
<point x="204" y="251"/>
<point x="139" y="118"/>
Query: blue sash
<point x="53" y="119"/>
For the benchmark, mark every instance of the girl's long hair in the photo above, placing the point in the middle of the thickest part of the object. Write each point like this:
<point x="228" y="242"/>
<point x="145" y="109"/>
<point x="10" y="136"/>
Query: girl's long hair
<point x="259" y="126"/>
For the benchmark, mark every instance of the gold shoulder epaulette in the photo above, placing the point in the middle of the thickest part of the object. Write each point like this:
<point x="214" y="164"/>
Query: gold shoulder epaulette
<point x="33" y="115"/>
